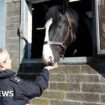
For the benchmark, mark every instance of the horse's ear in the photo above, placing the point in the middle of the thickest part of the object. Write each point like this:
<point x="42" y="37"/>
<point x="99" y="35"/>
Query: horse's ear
<point x="65" y="6"/>
<point x="46" y="8"/>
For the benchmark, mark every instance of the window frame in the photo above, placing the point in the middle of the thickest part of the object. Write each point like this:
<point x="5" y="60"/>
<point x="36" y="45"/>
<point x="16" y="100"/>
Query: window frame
<point x="99" y="50"/>
<point x="25" y="29"/>
<point x="65" y="60"/>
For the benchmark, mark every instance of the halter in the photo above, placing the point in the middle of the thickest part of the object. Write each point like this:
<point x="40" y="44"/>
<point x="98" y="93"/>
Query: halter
<point x="69" y="34"/>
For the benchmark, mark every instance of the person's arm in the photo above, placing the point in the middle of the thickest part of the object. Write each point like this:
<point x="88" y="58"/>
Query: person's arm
<point x="35" y="88"/>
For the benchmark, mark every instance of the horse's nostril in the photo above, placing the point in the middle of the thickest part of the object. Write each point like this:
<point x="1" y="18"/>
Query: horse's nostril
<point x="51" y="60"/>
<point x="50" y="57"/>
<point x="50" y="64"/>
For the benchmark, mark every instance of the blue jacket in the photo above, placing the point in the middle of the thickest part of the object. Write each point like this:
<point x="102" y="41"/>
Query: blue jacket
<point x="16" y="91"/>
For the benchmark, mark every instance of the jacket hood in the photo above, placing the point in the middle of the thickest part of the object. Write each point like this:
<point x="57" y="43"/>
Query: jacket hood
<point x="6" y="73"/>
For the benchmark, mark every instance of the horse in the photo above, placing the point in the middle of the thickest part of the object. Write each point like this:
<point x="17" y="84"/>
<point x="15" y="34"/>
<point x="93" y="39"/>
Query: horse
<point x="60" y="32"/>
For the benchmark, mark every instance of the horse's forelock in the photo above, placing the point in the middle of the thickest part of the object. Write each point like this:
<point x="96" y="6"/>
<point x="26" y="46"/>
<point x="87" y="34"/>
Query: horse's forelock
<point x="53" y="12"/>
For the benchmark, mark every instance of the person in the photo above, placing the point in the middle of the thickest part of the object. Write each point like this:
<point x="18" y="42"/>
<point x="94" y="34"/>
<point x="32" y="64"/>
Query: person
<point x="13" y="89"/>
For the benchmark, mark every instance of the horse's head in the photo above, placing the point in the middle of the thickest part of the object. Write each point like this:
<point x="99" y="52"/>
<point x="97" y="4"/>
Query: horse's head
<point x="59" y="34"/>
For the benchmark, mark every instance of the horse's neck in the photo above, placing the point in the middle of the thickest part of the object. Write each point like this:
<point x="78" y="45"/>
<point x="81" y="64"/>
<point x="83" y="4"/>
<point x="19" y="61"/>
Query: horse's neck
<point x="47" y="26"/>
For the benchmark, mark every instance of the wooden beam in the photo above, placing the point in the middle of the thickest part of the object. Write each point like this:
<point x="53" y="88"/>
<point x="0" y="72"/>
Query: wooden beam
<point x="74" y="0"/>
<point x="37" y="1"/>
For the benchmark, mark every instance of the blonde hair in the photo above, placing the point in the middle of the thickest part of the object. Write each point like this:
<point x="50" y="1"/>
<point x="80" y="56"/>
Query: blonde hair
<point x="3" y="55"/>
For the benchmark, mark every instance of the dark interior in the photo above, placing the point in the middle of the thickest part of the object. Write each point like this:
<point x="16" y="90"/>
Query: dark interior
<point x="83" y="45"/>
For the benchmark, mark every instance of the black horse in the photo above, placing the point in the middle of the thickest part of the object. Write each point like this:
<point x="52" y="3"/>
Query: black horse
<point x="61" y="28"/>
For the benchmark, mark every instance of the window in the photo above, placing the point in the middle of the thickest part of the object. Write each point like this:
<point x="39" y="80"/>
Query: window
<point x="33" y="17"/>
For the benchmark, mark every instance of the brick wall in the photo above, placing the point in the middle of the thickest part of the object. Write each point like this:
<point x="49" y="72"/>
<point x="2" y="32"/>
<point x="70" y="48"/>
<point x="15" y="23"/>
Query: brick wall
<point x="79" y="84"/>
<point x="12" y="25"/>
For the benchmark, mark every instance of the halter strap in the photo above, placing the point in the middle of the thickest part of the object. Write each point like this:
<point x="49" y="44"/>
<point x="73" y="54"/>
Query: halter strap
<point x="69" y="31"/>
<point x="55" y="43"/>
<point x="59" y="44"/>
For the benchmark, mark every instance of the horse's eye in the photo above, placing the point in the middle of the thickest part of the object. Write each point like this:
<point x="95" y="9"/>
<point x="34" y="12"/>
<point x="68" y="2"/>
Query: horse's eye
<point x="69" y="27"/>
<point x="59" y="26"/>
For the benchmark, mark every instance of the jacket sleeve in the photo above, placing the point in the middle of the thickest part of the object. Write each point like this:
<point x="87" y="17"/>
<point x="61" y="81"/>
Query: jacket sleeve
<point x="35" y="88"/>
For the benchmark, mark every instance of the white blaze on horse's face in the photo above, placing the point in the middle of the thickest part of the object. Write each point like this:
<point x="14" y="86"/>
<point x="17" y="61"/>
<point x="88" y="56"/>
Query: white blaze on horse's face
<point x="47" y="51"/>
